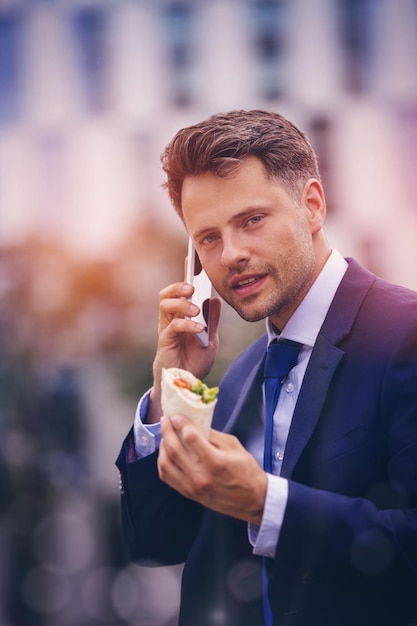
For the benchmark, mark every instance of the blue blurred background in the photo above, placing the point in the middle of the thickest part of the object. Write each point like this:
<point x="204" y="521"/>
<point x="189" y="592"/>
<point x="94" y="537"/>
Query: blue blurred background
<point x="90" y="93"/>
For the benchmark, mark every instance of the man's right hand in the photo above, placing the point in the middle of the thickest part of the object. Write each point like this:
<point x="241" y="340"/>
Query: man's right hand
<point x="177" y="345"/>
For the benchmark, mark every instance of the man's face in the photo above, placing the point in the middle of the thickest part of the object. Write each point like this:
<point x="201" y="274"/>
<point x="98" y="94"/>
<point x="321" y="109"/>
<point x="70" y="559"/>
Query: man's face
<point x="254" y="241"/>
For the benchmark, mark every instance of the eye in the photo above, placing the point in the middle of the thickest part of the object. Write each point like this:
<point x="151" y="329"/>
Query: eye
<point x="209" y="238"/>
<point x="255" y="219"/>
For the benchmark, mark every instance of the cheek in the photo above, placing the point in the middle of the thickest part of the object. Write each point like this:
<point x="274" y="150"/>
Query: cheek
<point x="210" y="260"/>
<point x="213" y="272"/>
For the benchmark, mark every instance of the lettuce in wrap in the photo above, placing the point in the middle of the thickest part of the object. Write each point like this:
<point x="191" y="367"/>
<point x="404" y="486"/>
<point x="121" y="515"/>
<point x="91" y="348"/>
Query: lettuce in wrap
<point x="184" y="394"/>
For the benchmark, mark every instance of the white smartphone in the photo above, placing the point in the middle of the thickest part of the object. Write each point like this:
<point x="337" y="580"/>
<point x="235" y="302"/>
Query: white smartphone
<point x="197" y="277"/>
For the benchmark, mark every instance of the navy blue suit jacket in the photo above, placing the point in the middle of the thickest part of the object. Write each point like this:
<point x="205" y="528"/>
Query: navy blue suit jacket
<point x="347" y="552"/>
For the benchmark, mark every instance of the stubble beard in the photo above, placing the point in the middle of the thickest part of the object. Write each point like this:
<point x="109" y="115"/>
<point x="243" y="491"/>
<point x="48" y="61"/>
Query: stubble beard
<point x="282" y="299"/>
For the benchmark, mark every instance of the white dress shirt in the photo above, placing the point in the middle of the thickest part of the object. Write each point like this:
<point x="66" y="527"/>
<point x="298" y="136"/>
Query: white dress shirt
<point x="303" y="327"/>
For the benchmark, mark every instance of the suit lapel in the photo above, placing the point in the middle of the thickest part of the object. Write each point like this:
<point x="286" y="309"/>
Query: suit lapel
<point x="249" y="401"/>
<point x="324" y="360"/>
<point x="323" y="363"/>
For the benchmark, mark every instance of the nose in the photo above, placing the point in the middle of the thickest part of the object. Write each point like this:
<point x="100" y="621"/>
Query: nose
<point x="234" y="251"/>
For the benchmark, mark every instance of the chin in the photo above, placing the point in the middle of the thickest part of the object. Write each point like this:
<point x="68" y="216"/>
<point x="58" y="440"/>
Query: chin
<point x="250" y="316"/>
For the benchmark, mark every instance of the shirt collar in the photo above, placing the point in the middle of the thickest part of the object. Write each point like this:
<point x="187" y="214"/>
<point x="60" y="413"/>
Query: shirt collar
<point x="305" y="323"/>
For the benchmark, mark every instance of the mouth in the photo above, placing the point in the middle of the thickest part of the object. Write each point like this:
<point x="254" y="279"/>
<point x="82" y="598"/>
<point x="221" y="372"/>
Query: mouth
<point x="247" y="285"/>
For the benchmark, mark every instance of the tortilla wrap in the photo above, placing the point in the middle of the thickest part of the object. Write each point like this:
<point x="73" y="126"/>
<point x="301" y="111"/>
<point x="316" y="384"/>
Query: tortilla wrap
<point x="181" y="401"/>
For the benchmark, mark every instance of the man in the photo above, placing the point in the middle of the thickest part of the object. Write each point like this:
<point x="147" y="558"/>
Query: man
<point x="332" y="524"/>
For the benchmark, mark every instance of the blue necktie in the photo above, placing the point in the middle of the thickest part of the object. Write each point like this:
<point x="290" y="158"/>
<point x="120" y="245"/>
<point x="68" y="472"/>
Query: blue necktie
<point x="280" y="359"/>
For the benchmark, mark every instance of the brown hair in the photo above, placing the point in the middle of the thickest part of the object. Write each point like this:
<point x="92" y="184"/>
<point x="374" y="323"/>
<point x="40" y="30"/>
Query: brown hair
<point x="219" y="144"/>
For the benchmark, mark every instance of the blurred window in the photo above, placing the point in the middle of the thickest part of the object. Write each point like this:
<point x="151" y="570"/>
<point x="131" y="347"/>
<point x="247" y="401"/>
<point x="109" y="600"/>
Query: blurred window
<point x="407" y="119"/>
<point x="320" y="133"/>
<point x="179" y="26"/>
<point x="10" y="66"/>
<point x="356" y="37"/>
<point x="90" y="26"/>
<point x="268" y="25"/>
<point x="52" y="170"/>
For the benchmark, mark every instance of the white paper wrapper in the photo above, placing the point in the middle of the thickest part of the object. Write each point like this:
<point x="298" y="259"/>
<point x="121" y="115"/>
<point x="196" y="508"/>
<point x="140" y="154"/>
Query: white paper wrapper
<point x="178" y="401"/>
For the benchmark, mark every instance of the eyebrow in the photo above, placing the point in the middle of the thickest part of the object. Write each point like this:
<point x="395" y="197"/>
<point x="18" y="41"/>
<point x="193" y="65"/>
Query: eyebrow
<point x="234" y="218"/>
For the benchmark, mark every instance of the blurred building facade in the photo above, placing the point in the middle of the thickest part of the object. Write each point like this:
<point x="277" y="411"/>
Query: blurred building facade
<point x="90" y="93"/>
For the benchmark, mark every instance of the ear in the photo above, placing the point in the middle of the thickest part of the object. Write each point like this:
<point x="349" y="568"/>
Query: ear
<point x="315" y="203"/>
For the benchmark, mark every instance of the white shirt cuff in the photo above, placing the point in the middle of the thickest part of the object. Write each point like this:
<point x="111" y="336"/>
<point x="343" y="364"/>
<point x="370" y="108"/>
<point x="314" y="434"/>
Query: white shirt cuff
<point x="264" y="538"/>
<point x="147" y="436"/>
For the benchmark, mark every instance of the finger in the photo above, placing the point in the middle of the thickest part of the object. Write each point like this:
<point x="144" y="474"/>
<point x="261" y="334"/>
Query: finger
<point x="223" y="440"/>
<point x="176" y="290"/>
<point x="175" y="447"/>
<point x="173" y="303"/>
<point x="169" y="443"/>
<point x="215" y="437"/>
<point x="177" y="326"/>
<point x="192" y="440"/>
<point x="172" y="310"/>
<point x="178" y="433"/>
<point x="169" y="472"/>
<point x="171" y="307"/>
<point x="167" y="430"/>
<point x="166" y="427"/>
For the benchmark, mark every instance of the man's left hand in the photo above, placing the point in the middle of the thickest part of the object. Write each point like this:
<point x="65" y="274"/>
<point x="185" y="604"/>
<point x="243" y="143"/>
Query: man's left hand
<point x="218" y="473"/>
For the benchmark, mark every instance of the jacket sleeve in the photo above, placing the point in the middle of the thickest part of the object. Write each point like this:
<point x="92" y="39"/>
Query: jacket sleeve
<point x="158" y="523"/>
